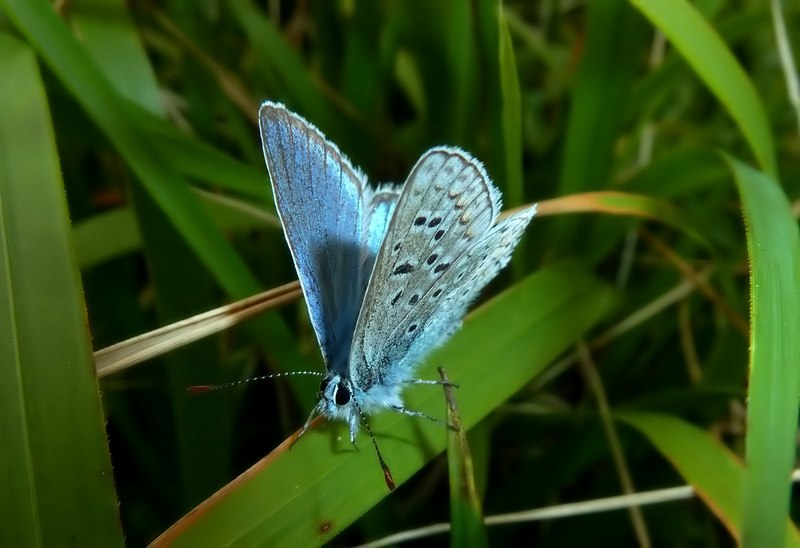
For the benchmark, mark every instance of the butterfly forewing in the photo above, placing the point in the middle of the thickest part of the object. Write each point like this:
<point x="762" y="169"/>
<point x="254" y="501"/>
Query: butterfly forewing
<point x="319" y="197"/>
<point x="447" y="207"/>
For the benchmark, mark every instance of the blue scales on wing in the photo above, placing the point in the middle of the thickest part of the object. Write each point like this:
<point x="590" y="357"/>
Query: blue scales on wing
<point x="333" y="222"/>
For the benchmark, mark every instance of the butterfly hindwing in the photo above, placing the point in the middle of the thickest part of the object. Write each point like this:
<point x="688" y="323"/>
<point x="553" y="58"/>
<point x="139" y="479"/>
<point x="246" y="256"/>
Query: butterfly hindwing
<point x="380" y="205"/>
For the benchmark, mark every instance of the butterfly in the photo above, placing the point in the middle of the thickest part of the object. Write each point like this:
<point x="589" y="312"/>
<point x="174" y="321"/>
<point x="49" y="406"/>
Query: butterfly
<point x="387" y="272"/>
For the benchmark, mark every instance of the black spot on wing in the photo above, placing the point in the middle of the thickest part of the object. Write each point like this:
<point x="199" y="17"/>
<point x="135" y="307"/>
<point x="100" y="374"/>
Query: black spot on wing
<point x="405" y="268"/>
<point x="397" y="297"/>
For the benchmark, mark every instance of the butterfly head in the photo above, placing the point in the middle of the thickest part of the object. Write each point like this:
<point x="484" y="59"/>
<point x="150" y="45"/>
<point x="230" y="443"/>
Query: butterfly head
<point x="336" y="396"/>
<point x="337" y="399"/>
<point x="335" y="390"/>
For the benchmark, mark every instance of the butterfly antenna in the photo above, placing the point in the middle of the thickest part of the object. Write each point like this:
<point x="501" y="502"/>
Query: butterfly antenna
<point x="212" y="387"/>
<point x="387" y="474"/>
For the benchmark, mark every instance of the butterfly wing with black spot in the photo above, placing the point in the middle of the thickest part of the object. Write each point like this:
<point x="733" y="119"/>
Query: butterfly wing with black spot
<point x="445" y="214"/>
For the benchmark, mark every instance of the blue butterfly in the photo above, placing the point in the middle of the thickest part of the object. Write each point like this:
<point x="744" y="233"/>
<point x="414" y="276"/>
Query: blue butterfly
<point x="387" y="273"/>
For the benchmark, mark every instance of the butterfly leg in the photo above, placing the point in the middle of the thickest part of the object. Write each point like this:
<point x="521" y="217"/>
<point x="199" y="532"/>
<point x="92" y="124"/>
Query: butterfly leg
<point x="420" y="414"/>
<point x="354" y="430"/>
<point x="306" y="425"/>
<point x="430" y="381"/>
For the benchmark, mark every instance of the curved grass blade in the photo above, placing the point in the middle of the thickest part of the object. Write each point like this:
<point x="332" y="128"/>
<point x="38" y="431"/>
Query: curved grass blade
<point x="170" y="337"/>
<point x="202" y="162"/>
<point x="773" y="249"/>
<point x="70" y="62"/>
<point x="716" y="474"/>
<point x="81" y="76"/>
<point x="622" y="203"/>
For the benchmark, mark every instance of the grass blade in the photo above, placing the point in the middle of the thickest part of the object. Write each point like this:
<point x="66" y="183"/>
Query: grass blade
<point x="512" y="118"/>
<point x="602" y="87"/>
<point x="773" y="249"/>
<point x="181" y="285"/>
<point x="713" y="470"/>
<point x="69" y="60"/>
<point x="56" y="470"/>
<point x="705" y="51"/>
<point x="466" y="516"/>
<point x="622" y="203"/>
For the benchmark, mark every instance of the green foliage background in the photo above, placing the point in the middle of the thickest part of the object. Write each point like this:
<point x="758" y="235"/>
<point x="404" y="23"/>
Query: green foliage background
<point x="648" y="342"/>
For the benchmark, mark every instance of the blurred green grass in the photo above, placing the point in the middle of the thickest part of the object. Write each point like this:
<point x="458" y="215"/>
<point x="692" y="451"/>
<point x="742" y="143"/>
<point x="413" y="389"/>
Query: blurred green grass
<point x="153" y="108"/>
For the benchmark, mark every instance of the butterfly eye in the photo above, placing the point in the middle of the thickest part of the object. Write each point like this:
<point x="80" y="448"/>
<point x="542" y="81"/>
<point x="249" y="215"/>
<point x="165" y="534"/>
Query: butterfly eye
<point x="323" y="385"/>
<point x="342" y="395"/>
